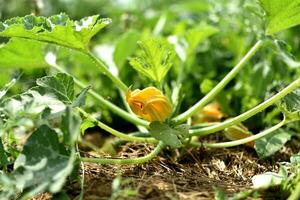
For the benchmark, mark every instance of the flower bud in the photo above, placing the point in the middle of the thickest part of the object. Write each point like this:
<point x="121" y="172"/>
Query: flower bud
<point x="149" y="104"/>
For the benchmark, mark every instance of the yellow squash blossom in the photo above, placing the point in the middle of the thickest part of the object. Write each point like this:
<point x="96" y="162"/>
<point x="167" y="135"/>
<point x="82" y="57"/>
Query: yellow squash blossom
<point x="149" y="103"/>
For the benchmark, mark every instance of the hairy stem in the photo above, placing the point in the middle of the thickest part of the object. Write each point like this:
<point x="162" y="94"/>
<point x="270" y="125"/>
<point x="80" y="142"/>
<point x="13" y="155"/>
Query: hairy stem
<point x="106" y="71"/>
<point x="115" y="109"/>
<point x="119" y="161"/>
<point x="244" y="140"/>
<point x="115" y="132"/>
<point x="230" y="122"/>
<point x="206" y="99"/>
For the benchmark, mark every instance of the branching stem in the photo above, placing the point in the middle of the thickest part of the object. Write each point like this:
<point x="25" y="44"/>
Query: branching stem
<point x="115" y="132"/>
<point x="106" y="71"/>
<point x="244" y="140"/>
<point x="120" y="161"/>
<point x="115" y="109"/>
<point x="233" y="121"/>
<point x="206" y="99"/>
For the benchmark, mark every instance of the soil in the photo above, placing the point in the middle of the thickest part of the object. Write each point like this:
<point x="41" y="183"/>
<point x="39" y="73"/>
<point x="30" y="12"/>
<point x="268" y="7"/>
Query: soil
<point x="195" y="174"/>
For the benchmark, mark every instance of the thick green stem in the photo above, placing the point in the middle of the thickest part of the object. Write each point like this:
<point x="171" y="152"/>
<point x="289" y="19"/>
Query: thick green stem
<point x="115" y="132"/>
<point x="244" y="140"/>
<point x="230" y="122"/>
<point x="106" y="71"/>
<point x="107" y="161"/>
<point x="102" y="101"/>
<point x="211" y="95"/>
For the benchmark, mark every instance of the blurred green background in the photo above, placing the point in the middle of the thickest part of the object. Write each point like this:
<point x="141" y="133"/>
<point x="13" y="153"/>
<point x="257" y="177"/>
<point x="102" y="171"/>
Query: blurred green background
<point x="238" y="23"/>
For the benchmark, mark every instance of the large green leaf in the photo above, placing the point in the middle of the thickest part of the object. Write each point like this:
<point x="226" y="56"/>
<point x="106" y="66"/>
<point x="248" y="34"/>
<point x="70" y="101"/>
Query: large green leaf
<point x="155" y="59"/>
<point x="61" y="85"/>
<point x="281" y="14"/>
<point x="41" y="104"/>
<point x="197" y="35"/>
<point x="272" y="143"/>
<point x="43" y="165"/>
<point x="22" y="53"/>
<point x="57" y="29"/>
<point x="125" y="47"/>
<point x="171" y="136"/>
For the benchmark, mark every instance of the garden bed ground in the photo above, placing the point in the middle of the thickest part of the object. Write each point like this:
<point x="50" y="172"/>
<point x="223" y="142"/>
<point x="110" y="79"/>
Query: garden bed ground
<point x="194" y="175"/>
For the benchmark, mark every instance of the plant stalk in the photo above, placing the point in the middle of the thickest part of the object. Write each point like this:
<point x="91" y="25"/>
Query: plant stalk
<point x="207" y="98"/>
<point x="245" y="140"/>
<point x="119" y="161"/>
<point x="115" y="132"/>
<point x="106" y="71"/>
<point x="242" y="117"/>
<point x="115" y="109"/>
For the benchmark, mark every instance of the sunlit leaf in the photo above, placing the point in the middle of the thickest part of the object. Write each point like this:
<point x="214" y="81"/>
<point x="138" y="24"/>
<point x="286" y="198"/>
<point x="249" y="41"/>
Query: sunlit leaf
<point x="61" y="85"/>
<point x="85" y="125"/>
<point x="155" y="59"/>
<point x="57" y="29"/>
<point x="22" y="53"/>
<point x="281" y="14"/>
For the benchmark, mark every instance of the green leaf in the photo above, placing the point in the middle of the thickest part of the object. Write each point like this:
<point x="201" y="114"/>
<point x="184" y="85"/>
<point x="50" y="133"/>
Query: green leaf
<point x="22" y="53"/>
<point x="290" y="105"/>
<point x="70" y="126"/>
<point x="125" y="47"/>
<point x="272" y="143"/>
<point x="219" y="194"/>
<point x="154" y="60"/>
<point x="197" y="35"/>
<point x="173" y="137"/>
<point x="285" y="52"/>
<point x="43" y="165"/>
<point x="187" y="43"/>
<point x="3" y="156"/>
<point x="81" y="97"/>
<point x="6" y="87"/>
<point x="85" y="125"/>
<point x="61" y="85"/>
<point x="206" y="86"/>
<point x="281" y="14"/>
<point x="57" y="29"/>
